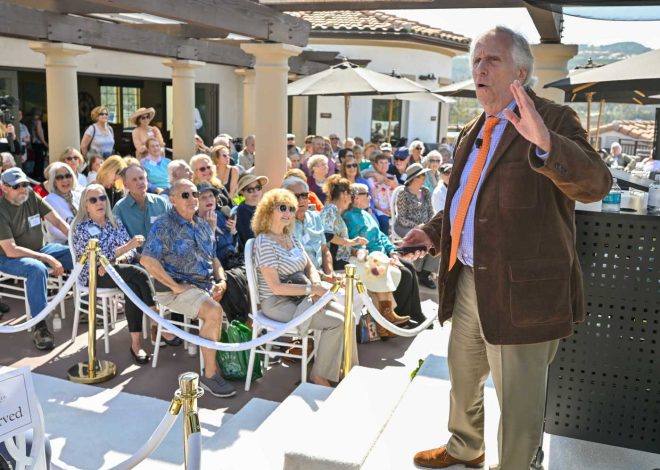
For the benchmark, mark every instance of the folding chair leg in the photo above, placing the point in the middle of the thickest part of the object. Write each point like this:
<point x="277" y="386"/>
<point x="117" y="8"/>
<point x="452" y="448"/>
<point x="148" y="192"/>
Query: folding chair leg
<point x="253" y="354"/>
<point x="267" y="355"/>
<point x="154" y="358"/>
<point x="303" y="360"/>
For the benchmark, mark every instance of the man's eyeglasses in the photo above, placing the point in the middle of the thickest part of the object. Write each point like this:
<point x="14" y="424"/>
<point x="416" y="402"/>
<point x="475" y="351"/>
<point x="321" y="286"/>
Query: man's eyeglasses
<point x="204" y="169"/>
<point x="361" y="194"/>
<point x="95" y="199"/>
<point x="253" y="189"/>
<point x="351" y="165"/>
<point x="186" y="194"/>
<point x="301" y="195"/>
<point x="283" y="208"/>
<point x="334" y="138"/>
<point x="400" y="158"/>
<point x="19" y="185"/>
<point x="66" y="176"/>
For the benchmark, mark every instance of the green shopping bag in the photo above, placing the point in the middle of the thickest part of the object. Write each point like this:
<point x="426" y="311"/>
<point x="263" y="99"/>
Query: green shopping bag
<point x="234" y="364"/>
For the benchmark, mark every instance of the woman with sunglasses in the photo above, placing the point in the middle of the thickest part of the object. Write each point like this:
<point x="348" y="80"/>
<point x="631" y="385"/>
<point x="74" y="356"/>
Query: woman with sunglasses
<point x="289" y="283"/>
<point x="95" y="220"/>
<point x="225" y="171"/>
<point x="99" y="137"/>
<point x="109" y="176"/>
<point x="76" y="162"/>
<point x="350" y="169"/>
<point x="416" y="151"/>
<point x="338" y="191"/>
<point x="204" y="171"/>
<point x="143" y="130"/>
<point x="63" y="197"/>
<point x="251" y="188"/>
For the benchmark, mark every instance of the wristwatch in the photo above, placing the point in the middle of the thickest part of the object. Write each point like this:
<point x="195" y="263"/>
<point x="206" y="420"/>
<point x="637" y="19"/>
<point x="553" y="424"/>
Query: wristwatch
<point x="308" y="289"/>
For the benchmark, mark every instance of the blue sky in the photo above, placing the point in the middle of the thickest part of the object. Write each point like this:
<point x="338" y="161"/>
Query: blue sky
<point x="471" y="22"/>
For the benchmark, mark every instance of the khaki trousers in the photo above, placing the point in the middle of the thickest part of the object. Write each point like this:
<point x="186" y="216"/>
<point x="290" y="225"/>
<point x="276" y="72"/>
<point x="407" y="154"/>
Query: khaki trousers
<point x="519" y="373"/>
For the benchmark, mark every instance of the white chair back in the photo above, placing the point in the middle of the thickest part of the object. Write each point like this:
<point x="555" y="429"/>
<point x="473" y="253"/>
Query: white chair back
<point x="393" y="211"/>
<point x="251" y="271"/>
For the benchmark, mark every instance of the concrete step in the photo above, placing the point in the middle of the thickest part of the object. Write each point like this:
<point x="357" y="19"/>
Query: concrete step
<point x="340" y="435"/>
<point x="263" y="449"/>
<point x="420" y="420"/>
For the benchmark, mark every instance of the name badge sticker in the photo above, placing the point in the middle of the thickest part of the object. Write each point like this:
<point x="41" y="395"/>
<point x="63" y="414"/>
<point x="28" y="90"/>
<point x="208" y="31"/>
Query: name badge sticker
<point x="93" y="231"/>
<point x="153" y="218"/>
<point x="34" y="220"/>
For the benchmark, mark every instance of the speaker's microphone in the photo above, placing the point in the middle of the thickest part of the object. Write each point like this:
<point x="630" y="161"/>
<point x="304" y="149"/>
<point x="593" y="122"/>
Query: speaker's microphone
<point x="479" y="142"/>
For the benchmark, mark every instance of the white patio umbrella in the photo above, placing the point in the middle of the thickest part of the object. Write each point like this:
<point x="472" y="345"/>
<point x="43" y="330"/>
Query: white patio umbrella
<point x="464" y="89"/>
<point x="347" y="79"/>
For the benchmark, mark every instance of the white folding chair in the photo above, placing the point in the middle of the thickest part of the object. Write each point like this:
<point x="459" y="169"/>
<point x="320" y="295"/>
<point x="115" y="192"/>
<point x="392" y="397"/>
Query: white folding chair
<point x="393" y="212"/>
<point x="261" y="322"/>
<point x="14" y="287"/>
<point x="108" y="296"/>
<point x="186" y="324"/>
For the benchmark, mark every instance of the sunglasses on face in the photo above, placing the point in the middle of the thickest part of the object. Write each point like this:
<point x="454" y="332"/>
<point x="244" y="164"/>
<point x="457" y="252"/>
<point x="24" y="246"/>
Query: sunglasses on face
<point x="103" y="114"/>
<point x="361" y="194"/>
<point x="301" y="195"/>
<point x="204" y="169"/>
<point x="334" y="138"/>
<point x="435" y="161"/>
<point x="19" y="185"/>
<point x="351" y="165"/>
<point x="253" y="189"/>
<point x="66" y="176"/>
<point x="400" y="159"/>
<point x="71" y="158"/>
<point x="95" y="199"/>
<point x="283" y="208"/>
<point x="143" y="117"/>
<point x="186" y="195"/>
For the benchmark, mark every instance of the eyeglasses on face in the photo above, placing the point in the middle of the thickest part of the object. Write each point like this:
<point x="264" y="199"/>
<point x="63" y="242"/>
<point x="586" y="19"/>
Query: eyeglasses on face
<point x="400" y="159"/>
<point x="71" y="158"/>
<point x="334" y="138"/>
<point x="19" y="185"/>
<point x="301" y="195"/>
<point x="95" y="199"/>
<point x="187" y="194"/>
<point x="103" y="114"/>
<point x="283" y="208"/>
<point x="253" y="189"/>
<point x="362" y="194"/>
<point x="65" y="176"/>
<point x="351" y="165"/>
<point x="435" y="160"/>
<point x="203" y="169"/>
<point x="144" y="116"/>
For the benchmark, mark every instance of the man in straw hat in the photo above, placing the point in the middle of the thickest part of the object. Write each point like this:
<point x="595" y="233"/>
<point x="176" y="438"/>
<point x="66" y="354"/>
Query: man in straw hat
<point x="509" y="272"/>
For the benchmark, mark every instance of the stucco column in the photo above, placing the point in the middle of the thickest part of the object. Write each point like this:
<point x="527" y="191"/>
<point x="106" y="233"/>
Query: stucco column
<point x="549" y="65"/>
<point x="61" y="94"/>
<point x="300" y="119"/>
<point x="249" y="101"/>
<point x="271" y="69"/>
<point x="183" y="106"/>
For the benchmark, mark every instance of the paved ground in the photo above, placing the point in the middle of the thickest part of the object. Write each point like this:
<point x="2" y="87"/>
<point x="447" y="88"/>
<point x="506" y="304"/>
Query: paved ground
<point x="17" y="350"/>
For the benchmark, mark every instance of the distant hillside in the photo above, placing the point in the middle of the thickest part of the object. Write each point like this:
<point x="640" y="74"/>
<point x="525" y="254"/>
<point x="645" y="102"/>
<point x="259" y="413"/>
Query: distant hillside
<point x="599" y="54"/>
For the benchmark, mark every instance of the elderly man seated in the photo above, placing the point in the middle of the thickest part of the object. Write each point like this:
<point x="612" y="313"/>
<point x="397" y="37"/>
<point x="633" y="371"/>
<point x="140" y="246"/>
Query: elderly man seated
<point x="617" y="158"/>
<point x="22" y="249"/>
<point x="180" y="254"/>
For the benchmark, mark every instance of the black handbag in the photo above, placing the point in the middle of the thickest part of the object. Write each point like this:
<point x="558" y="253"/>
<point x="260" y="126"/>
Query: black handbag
<point x="296" y="278"/>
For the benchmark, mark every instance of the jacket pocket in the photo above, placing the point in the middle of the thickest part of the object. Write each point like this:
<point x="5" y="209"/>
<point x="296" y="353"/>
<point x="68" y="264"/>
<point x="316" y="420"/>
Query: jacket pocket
<point x="517" y="186"/>
<point x="539" y="291"/>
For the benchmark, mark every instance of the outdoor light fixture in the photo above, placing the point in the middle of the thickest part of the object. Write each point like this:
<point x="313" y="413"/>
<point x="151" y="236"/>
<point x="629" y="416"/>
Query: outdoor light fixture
<point x="611" y="10"/>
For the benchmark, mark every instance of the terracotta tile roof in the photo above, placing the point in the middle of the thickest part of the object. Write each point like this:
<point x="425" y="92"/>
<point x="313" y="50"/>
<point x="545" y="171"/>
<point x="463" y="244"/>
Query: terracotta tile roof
<point x="638" y="130"/>
<point x="376" y="22"/>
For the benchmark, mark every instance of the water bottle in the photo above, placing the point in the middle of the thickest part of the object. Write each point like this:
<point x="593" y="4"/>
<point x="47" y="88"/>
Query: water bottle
<point x="653" y="205"/>
<point x="612" y="202"/>
<point x="57" y="322"/>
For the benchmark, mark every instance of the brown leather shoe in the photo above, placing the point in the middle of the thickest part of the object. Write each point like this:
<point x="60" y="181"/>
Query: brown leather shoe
<point x="440" y="458"/>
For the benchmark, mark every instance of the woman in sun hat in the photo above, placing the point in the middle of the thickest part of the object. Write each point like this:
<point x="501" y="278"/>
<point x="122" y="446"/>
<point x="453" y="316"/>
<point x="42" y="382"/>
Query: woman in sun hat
<point x="251" y="187"/>
<point x="143" y="130"/>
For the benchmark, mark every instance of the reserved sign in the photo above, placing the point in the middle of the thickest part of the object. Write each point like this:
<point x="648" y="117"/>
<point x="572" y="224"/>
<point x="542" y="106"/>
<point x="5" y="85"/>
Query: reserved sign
<point x="18" y="407"/>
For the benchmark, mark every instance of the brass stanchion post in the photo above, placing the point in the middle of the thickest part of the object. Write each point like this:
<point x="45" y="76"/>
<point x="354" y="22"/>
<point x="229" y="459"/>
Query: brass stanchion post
<point x="93" y="371"/>
<point x="188" y="393"/>
<point x="349" y="328"/>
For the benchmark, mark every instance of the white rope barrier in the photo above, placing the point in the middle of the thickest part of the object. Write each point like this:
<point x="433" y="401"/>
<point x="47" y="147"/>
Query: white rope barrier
<point x="194" y="451"/>
<point x="50" y="306"/>
<point x="371" y="308"/>
<point x="152" y="444"/>
<point x="206" y="343"/>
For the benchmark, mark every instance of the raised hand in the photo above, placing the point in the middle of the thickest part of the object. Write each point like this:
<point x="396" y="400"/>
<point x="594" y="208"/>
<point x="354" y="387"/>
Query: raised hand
<point x="529" y="124"/>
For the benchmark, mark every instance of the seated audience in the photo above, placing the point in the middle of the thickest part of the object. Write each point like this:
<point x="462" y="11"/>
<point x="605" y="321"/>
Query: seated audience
<point x="308" y="229"/>
<point x="76" y="161"/>
<point x="93" y="165"/>
<point x="279" y="258"/>
<point x="63" y="198"/>
<point x="180" y="254"/>
<point x="400" y="162"/>
<point x="338" y="190"/>
<point x="225" y="171"/>
<point x="155" y="164"/>
<point x="413" y="208"/>
<point x="416" y="149"/>
<point x="362" y="224"/>
<point x="246" y="155"/>
<point x="22" y="249"/>
<point x="234" y="300"/>
<point x="109" y="176"/>
<point x="382" y="184"/>
<point x="318" y="172"/>
<point x="432" y="161"/>
<point x="617" y="158"/>
<point x="251" y="188"/>
<point x="313" y="198"/>
<point x="204" y="171"/>
<point x="95" y="220"/>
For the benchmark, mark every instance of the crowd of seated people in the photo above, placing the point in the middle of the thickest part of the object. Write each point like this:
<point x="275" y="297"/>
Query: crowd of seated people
<point x="176" y="231"/>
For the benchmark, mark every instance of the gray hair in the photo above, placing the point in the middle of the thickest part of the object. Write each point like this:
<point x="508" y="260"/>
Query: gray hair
<point x="417" y="143"/>
<point x="83" y="214"/>
<point x="125" y="171"/>
<point x="51" y="172"/>
<point x="174" y="187"/>
<point x="293" y="181"/>
<point x="315" y="160"/>
<point x="174" y="166"/>
<point x="8" y="158"/>
<point x="250" y="138"/>
<point x="359" y="188"/>
<point x="521" y="52"/>
<point x="426" y="160"/>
